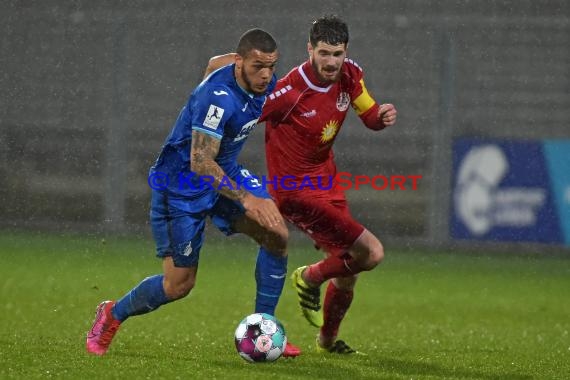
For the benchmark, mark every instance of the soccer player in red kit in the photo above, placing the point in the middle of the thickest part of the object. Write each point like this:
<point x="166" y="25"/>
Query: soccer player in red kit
<point x="303" y="116"/>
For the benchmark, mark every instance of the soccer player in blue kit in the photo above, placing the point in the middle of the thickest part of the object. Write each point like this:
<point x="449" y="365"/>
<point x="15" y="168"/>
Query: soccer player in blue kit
<point x="197" y="175"/>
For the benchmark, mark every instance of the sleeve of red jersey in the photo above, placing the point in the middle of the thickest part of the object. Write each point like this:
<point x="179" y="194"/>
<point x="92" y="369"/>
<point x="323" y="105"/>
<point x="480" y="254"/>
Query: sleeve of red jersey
<point x="365" y="106"/>
<point x="277" y="104"/>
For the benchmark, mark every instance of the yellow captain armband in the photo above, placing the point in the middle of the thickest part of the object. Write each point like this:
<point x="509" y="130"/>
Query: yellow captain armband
<point x="364" y="101"/>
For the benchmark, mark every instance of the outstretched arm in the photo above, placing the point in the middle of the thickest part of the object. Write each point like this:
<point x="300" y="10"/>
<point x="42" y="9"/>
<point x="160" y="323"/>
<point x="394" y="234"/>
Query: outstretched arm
<point x="386" y="116"/>
<point x="379" y="117"/>
<point x="219" y="61"/>
<point x="375" y="116"/>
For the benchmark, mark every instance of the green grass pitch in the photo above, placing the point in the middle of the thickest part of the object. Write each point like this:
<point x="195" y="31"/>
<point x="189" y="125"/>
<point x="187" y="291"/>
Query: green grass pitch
<point x="420" y="315"/>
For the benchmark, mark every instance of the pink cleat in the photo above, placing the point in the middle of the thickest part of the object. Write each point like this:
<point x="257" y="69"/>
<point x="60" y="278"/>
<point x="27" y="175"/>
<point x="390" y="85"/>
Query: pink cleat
<point x="104" y="329"/>
<point x="291" y="351"/>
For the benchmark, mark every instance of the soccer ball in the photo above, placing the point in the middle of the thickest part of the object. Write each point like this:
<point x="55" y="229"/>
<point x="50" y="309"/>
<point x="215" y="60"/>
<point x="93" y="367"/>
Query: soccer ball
<point x="260" y="337"/>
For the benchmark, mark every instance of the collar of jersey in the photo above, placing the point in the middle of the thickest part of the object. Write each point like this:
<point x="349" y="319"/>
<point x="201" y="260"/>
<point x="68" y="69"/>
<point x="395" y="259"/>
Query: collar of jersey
<point x="306" y="71"/>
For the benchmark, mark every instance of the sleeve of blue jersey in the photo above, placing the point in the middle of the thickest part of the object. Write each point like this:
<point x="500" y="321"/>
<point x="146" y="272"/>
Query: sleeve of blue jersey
<point x="212" y="107"/>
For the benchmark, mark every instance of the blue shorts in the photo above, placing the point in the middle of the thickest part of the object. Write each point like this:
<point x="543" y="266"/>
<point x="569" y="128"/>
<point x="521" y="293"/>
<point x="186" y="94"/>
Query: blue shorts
<point x="179" y="232"/>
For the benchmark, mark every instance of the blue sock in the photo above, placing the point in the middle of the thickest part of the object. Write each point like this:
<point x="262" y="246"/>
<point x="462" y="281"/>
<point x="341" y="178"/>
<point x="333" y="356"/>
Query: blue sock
<point x="145" y="297"/>
<point x="270" y="274"/>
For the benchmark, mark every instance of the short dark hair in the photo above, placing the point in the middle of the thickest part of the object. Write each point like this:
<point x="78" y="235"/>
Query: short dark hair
<point x="329" y="29"/>
<point x="256" y="39"/>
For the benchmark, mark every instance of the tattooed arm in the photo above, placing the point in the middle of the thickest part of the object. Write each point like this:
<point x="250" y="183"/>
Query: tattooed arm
<point x="203" y="154"/>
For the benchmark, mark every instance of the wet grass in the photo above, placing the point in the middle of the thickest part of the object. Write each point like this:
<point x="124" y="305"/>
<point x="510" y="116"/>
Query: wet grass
<point x="419" y="316"/>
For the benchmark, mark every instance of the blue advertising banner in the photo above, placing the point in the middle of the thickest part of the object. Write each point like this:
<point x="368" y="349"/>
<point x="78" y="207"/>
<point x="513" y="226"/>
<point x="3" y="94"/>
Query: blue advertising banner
<point x="509" y="190"/>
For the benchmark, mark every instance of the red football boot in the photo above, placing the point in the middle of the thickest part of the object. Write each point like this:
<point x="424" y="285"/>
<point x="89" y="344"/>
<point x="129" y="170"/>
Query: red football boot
<point x="291" y="351"/>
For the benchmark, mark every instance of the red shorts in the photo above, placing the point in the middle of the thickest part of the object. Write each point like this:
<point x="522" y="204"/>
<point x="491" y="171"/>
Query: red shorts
<point x="328" y="222"/>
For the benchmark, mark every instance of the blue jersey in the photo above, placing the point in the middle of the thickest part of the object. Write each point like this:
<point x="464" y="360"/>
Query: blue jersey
<point x="220" y="108"/>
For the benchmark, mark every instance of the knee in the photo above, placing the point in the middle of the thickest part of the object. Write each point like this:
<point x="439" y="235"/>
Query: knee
<point x="374" y="257"/>
<point x="176" y="290"/>
<point x="276" y="241"/>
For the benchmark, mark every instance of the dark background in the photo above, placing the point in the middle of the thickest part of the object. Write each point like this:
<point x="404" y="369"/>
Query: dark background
<point x="90" y="91"/>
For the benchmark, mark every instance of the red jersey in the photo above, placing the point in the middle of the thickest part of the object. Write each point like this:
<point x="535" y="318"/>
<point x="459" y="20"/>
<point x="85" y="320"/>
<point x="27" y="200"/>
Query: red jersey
<point x="303" y="119"/>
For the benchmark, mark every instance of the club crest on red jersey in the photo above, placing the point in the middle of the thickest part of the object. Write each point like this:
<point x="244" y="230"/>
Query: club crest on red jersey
<point x="343" y="101"/>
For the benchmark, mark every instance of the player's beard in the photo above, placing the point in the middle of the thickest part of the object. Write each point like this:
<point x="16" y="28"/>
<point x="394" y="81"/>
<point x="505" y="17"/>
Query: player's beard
<point x="249" y="84"/>
<point x="317" y="70"/>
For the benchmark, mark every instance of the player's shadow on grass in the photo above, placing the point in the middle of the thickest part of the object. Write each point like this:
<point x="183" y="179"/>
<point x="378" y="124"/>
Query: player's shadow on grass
<point x="292" y="369"/>
<point x="412" y="368"/>
<point x="354" y="367"/>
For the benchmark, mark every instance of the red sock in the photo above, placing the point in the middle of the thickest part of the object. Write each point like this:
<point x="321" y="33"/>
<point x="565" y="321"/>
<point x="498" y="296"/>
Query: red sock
<point x="331" y="267"/>
<point x="336" y="304"/>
